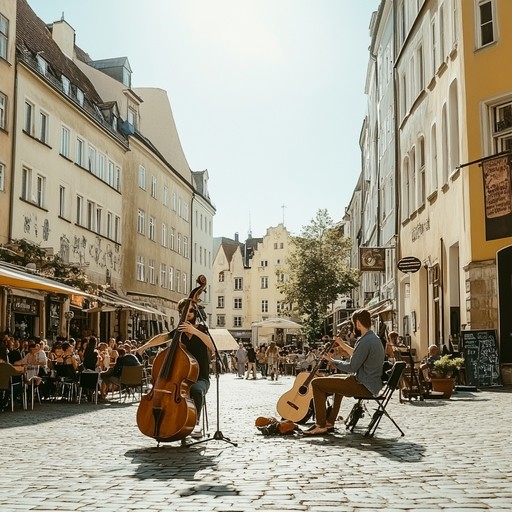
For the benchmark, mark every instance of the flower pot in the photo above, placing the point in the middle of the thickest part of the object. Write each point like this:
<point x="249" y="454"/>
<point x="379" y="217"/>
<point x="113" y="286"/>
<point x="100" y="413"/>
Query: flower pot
<point x="444" y="386"/>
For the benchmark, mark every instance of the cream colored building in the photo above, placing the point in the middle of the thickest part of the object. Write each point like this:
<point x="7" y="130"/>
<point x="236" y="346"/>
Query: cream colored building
<point x="7" y="83"/>
<point x="245" y="279"/>
<point x="100" y="178"/>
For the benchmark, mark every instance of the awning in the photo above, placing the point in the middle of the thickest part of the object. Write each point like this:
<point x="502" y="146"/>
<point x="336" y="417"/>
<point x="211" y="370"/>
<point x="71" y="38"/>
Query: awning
<point x="14" y="277"/>
<point x="113" y="299"/>
<point x="384" y="306"/>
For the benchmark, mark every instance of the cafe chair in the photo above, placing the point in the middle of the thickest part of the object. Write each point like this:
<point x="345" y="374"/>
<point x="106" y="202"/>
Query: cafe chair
<point x="131" y="379"/>
<point x="10" y="382"/>
<point x="31" y="376"/>
<point x="89" y="381"/>
<point x="66" y="381"/>
<point x="381" y="400"/>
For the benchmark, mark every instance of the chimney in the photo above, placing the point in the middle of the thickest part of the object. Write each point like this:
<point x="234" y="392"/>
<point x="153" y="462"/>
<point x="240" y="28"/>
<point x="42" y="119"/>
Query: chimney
<point x="64" y="35"/>
<point x="236" y="237"/>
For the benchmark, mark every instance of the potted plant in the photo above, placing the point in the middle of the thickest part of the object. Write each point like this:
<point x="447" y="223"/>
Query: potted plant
<point x="443" y="372"/>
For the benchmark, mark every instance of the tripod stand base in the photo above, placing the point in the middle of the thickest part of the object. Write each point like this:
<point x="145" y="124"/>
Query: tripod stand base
<point x="217" y="436"/>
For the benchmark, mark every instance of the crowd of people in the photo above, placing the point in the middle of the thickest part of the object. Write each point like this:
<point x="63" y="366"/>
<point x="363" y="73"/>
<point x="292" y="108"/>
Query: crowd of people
<point x="88" y="354"/>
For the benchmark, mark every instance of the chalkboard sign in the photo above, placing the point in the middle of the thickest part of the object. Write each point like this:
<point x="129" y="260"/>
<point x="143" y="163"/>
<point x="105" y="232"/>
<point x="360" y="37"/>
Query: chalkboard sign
<point x="481" y="358"/>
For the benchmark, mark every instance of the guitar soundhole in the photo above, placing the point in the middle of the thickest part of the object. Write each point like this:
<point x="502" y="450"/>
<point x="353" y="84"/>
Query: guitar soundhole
<point x="303" y="390"/>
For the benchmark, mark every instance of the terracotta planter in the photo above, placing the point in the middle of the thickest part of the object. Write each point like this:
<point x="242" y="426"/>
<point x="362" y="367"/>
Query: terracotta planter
<point x="444" y="386"/>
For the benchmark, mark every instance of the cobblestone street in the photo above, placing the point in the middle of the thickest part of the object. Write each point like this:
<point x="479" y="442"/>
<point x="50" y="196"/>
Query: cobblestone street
<point x="68" y="457"/>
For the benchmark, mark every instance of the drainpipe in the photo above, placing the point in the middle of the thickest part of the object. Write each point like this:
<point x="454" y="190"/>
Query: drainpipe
<point x="441" y="259"/>
<point x="425" y="266"/>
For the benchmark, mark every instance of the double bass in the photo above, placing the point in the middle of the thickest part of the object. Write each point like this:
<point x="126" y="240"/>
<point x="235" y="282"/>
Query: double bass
<point x="167" y="413"/>
<point x="295" y="404"/>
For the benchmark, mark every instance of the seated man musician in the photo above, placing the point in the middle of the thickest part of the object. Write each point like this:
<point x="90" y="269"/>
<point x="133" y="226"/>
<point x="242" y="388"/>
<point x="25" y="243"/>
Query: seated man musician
<point x="362" y="374"/>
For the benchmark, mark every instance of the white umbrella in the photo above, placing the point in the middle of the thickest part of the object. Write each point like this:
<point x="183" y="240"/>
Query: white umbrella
<point x="223" y="339"/>
<point x="278" y="323"/>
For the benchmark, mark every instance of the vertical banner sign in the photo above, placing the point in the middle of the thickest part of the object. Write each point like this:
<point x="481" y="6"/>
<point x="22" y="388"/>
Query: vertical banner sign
<point x="497" y="197"/>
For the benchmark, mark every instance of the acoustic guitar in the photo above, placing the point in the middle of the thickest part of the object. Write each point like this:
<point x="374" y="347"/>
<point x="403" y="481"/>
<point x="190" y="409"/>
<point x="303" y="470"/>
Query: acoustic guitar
<point x="295" y="404"/>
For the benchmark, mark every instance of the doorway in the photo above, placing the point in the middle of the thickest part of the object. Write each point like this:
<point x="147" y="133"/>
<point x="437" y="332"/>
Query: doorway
<point x="504" y="270"/>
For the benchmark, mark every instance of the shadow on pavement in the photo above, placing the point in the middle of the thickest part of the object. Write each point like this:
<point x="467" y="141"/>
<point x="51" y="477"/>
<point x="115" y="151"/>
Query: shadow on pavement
<point x="50" y="411"/>
<point x="397" y="449"/>
<point x="169" y="462"/>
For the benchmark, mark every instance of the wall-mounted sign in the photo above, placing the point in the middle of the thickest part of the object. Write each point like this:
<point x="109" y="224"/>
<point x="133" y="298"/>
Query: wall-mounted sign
<point x="409" y="264"/>
<point x="497" y="197"/>
<point x="372" y="259"/>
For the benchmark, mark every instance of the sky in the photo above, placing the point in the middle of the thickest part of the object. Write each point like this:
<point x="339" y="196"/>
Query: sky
<point x="267" y="95"/>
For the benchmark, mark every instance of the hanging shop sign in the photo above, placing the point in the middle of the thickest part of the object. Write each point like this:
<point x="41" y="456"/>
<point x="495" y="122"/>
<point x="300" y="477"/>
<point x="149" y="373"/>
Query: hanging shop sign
<point x="372" y="259"/>
<point x="409" y="264"/>
<point x="25" y="305"/>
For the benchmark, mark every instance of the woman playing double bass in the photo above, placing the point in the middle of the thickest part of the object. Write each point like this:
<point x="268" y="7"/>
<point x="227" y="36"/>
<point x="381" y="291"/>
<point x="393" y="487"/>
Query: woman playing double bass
<point x="200" y="346"/>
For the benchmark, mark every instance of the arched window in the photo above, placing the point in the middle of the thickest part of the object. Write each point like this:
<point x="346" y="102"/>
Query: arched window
<point x="405" y="189"/>
<point x="454" y="127"/>
<point x="433" y="160"/>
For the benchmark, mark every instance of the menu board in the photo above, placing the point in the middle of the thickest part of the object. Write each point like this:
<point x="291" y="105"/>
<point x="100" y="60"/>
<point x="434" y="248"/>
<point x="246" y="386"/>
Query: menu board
<point x="482" y="363"/>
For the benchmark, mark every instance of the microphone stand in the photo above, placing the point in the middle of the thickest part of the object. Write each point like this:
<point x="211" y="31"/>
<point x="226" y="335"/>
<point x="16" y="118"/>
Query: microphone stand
<point x="218" y="435"/>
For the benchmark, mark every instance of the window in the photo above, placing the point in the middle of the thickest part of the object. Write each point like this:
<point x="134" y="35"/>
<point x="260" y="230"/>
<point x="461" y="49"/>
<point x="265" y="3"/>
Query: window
<point x="171" y="278"/>
<point x="442" y="47"/>
<point x="237" y="303"/>
<point x="42" y="64"/>
<point x="221" y="277"/>
<point x="141" y="272"/>
<point x="90" y="215"/>
<point x="79" y="152"/>
<point x="178" y="248"/>
<point x="26" y="183"/>
<point x="117" y="178"/>
<point x="99" y="219"/>
<point x="264" y="306"/>
<point x="178" y="281"/>
<point x="64" y="141"/>
<point x="65" y="84"/>
<point x="433" y="46"/>
<point x="237" y="321"/>
<point x="485" y="20"/>
<point x="62" y="201"/>
<point x="164" y="234"/>
<point x="238" y="283"/>
<point x="141" y="228"/>
<point x="502" y="126"/>
<point x="174" y="199"/>
<point x="153" y="186"/>
<point x="185" y="287"/>
<point x="221" y="320"/>
<point x="142" y="177"/>
<point x="421" y="165"/>
<point x="111" y="173"/>
<point x="43" y="127"/>
<point x="80" y="96"/>
<point x="152" y="275"/>
<point x="171" y="240"/>
<point x="163" y="275"/>
<point x="4" y="36"/>
<point x="79" y="209"/>
<point x="132" y="117"/>
<point x="92" y="159"/>
<point x="3" y="111"/>
<point x="264" y="263"/>
<point x="101" y="166"/>
<point x="28" y="125"/>
<point x="165" y="196"/>
<point x="40" y="190"/>
<point x="117" y="229"/>
<point x="264" y="282"/>
<point x="220" y="301"/>
<point x="152" y="228"/>
<point x="185" y="246"/>
<point x="2" y="177"/>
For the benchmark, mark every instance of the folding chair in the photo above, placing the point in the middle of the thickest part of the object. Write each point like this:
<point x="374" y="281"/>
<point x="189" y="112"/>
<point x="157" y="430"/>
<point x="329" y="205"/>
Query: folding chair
<point x="382" y="400"/>
<point x="132" y="378"/>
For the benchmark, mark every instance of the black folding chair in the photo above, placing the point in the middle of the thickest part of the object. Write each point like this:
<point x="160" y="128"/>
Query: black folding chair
<point x="382" y="400"/>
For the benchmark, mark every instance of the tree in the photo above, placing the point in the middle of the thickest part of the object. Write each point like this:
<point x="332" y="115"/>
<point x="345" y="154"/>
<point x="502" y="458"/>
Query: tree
<point x="317" y="271"/>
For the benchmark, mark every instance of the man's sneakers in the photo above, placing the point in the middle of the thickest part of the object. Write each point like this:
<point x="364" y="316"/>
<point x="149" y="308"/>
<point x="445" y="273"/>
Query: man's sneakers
<point x="197" y="433"/>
